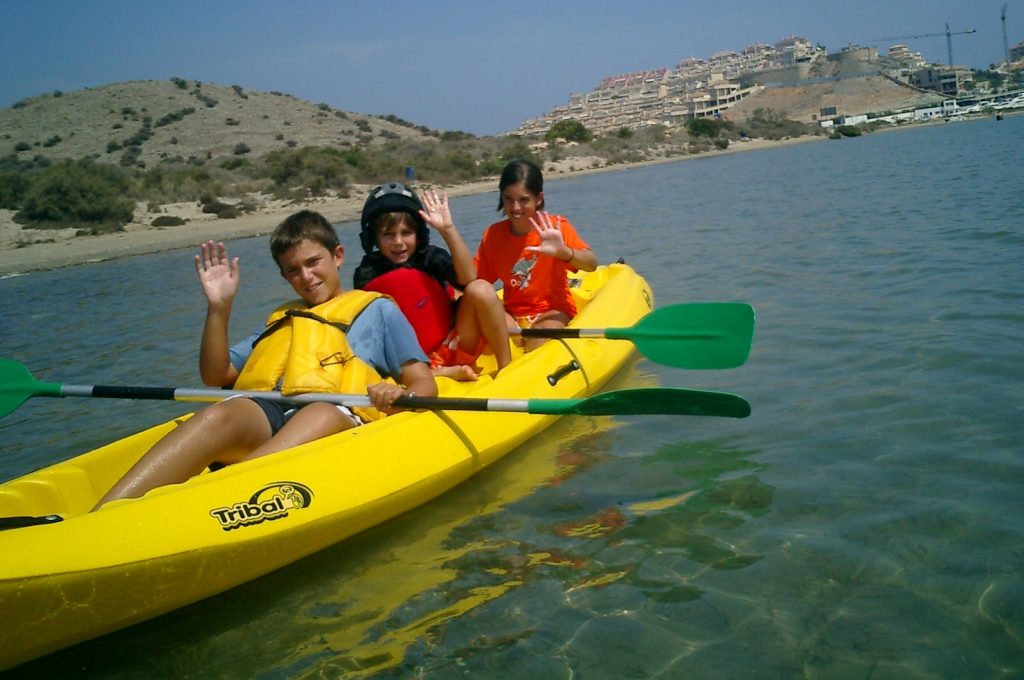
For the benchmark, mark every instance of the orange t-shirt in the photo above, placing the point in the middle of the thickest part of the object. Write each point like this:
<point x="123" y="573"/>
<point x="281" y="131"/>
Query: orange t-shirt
<point x="533" y="283"/>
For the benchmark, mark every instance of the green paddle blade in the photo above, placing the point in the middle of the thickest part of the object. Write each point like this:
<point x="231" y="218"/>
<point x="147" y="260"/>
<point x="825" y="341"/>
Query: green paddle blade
<point x="17" y="385"/>
<point x="696" y="335"/>
<point x="647" y="401"/>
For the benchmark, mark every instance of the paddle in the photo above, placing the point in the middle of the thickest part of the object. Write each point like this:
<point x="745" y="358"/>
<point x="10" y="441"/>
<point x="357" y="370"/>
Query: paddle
<point x="689" y="335"/>
<point x="17" y="385"/>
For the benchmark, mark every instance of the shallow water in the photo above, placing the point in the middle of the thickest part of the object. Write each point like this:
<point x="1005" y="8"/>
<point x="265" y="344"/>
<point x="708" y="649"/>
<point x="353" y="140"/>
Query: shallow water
<point x="863" y="522"/>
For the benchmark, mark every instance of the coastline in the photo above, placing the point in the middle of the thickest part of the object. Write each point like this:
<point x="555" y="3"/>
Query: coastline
<point x="28" y="250"/>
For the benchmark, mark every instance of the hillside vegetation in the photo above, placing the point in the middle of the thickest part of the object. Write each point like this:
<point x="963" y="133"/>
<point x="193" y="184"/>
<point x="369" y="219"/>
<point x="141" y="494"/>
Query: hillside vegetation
<point x="87" y="157"/>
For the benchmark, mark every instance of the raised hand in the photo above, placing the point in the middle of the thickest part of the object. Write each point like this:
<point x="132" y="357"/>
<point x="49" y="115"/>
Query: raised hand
<point x="436" y="212"/>
<point x="550" y="232"/>
<point x="218" y="275"/>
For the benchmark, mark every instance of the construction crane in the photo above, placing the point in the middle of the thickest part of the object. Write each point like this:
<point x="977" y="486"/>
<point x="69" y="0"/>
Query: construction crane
<point x="1006" y="47"/>
<point x="949" y="39"/>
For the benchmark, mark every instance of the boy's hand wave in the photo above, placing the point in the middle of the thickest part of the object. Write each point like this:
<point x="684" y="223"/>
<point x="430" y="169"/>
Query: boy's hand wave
<point x="436" y="212"/>
<point x="218" y="275"/>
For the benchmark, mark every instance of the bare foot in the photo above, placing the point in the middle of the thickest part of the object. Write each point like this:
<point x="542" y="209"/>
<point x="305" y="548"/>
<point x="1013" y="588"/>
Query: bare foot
<point x="460" y="373"/>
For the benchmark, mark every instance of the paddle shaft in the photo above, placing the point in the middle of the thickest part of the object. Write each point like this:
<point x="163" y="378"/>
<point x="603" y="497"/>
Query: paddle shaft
<point x="645" y="401"/>
<point x="608" y="333"/>
<point x="190" y="394"/>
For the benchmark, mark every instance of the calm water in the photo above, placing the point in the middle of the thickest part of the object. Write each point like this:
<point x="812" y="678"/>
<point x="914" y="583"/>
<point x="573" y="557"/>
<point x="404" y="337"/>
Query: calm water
<point x="865" y="521"/>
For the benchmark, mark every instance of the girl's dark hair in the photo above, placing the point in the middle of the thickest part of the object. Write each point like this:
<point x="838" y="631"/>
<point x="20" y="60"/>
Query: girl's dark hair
<point x="521" y="172"/>
<point x="305" y="224"/>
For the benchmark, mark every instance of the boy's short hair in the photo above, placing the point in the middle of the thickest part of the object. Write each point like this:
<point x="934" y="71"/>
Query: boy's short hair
<point x="305" y="224"/>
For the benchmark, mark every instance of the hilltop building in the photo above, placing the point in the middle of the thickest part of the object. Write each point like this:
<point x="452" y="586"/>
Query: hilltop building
<point x="902" y="55"/>
<point x="944" y="80"/>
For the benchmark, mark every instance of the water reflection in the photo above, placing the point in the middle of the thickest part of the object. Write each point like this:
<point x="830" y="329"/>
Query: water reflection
<point x="544" y="571"/>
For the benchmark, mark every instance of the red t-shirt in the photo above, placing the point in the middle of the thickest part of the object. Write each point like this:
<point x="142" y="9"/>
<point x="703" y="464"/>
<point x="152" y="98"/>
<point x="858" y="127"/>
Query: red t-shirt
<point x="533" y="283"/>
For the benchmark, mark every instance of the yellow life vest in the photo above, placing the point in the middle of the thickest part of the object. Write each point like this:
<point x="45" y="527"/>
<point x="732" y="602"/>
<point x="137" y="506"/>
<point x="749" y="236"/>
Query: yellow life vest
<point x="306" y="349"/>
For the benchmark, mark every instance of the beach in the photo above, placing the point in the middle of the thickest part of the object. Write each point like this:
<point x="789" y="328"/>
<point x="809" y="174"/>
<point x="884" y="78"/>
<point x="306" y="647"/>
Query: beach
<point x="25" y="250"/>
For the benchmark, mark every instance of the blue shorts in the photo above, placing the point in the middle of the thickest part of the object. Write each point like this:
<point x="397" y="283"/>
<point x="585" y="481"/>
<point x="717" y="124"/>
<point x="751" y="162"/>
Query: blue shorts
<point x="278" y="413"/>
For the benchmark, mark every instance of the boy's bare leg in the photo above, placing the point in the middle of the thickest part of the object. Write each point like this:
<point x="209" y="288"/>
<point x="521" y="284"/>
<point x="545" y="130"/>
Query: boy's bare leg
<point x="224" y="432"/>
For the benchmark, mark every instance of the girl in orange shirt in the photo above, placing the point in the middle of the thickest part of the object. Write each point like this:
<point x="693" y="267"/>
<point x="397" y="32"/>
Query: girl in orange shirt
<point x="530" y="252"/>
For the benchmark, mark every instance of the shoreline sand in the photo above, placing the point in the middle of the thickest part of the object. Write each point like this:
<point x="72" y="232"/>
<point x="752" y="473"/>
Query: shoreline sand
<point x="27" y="250"/>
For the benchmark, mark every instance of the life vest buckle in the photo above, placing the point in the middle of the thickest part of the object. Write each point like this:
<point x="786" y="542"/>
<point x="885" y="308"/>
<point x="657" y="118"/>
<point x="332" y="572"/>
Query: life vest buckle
<point x="334" y="360"/>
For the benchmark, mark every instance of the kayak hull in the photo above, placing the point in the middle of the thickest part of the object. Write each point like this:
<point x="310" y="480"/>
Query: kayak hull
<point x="94" y="573"/>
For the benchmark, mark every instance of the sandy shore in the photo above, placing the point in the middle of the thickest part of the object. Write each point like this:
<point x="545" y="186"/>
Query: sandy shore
<point x="26" y="250"/>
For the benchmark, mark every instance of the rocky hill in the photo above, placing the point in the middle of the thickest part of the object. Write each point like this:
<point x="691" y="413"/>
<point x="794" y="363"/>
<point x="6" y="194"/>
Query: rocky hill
<point x="146" y="122"/>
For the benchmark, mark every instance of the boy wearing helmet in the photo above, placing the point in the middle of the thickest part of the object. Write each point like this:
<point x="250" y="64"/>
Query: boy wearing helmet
<point x="401" y="263"/>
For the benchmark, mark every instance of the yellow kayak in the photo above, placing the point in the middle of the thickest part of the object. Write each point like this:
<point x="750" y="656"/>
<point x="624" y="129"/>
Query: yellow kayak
<point x="93" y="573"/>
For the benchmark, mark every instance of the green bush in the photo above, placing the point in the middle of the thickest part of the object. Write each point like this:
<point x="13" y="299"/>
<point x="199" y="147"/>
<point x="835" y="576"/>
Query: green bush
<point x="168" y="221"/>
<point x="144" y="133"/>
<point x="13" y="186"/>
<point x="705" y="127"/>
<point x="184" y="183"/>
<point x="174" y="117"/>
<point x="131" y="156"/>
<point x="77" y="191"/>
<point x="771" y="124"/>
<point x="570" y="130"/>
<point x="848" y="130"/>
<point x="316" y="168"/>
<point x="213" y="205"/>
<point x="209" y="101"/>
<point x="392" y="118"/>
<point x="454" y="135"/>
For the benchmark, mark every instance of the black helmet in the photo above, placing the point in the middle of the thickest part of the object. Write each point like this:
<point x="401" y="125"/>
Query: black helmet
<point x="391" y="197"/>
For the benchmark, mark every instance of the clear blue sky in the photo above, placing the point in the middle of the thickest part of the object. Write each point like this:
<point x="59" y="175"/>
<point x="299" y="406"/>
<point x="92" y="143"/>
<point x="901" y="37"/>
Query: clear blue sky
<point x="474" y="66"/>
